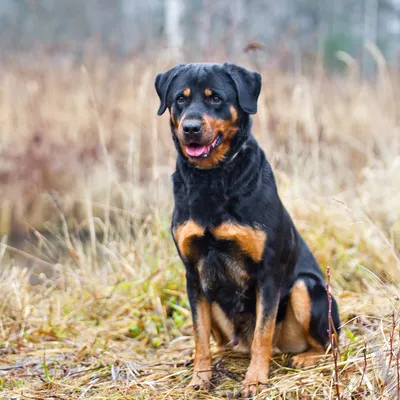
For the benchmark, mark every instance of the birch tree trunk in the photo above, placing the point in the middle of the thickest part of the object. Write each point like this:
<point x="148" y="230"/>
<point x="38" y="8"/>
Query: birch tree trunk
<point x="173" y="27"/>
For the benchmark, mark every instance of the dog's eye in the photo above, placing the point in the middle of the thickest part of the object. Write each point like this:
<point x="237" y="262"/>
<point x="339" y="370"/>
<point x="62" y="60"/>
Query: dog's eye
<point x="181" y="100"/>
<point x="216" y="100"/>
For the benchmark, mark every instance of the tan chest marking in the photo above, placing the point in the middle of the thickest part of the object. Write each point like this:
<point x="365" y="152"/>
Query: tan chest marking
<point x="250" y="240"/>
<point x="184" y="234"/>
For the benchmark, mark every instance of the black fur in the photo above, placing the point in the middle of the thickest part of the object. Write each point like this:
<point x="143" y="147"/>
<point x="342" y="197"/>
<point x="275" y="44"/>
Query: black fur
<point x="248" y="86"/>
<point x="240" y="188"/>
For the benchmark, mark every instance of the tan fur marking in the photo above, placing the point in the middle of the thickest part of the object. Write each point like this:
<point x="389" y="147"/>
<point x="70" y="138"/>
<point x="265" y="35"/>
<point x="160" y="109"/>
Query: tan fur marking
<point x="261" y="349"/>
<point x="185" y="233"/>
<point x="295" y="335"/>
<point x="301" y="303"/>
<point x="202" y="357"/>
<point x="234" y="113"/>
<point x="291" y="338"/>
<point x="275" y="340"/>
<point x="309" y="358"/>
<point x="250" y="240"/>
<point x="186" y="92"/>
<point x="208" y="92"/>
<point x="174" y="122"/>
<point x="221" y="327"/>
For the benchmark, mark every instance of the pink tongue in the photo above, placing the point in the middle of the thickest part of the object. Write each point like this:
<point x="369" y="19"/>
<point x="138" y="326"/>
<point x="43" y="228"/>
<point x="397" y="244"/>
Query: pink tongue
<point x="197" y="151"/>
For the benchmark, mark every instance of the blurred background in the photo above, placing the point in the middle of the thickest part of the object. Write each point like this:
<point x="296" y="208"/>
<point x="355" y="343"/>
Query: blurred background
<point x="290" y="34"/>
<point x="91" y="283"/>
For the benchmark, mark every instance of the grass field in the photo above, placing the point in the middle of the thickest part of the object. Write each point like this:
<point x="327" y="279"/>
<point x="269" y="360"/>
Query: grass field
<point x="93" y="296"/>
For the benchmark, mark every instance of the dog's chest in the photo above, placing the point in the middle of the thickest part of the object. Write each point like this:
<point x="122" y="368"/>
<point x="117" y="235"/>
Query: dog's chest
<point x="195" y="241"/>
<point x="217" y="268"/>
<point x="225" y="258"/>
<point x="211" y="238"/>
<point x="225" y="277"/>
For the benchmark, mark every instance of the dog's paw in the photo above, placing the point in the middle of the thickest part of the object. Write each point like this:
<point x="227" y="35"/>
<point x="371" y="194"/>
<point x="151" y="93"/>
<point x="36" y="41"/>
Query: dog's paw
<point x="253" y="384"/>
<point x="252" y="389"/>
<point x="200" y="381"/>
<point x="304" y="360"/>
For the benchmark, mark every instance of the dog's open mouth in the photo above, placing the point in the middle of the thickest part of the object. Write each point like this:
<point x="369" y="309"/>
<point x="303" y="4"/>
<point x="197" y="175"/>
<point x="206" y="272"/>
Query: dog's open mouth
<point x="196" y="150"/>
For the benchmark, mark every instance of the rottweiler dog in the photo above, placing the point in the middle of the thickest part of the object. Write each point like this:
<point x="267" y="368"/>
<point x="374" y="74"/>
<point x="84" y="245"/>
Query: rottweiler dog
<point x="251" y="279"/>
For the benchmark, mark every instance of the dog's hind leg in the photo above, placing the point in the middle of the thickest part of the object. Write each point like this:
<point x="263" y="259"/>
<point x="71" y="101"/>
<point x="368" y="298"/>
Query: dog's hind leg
<point x="305" y="327"/>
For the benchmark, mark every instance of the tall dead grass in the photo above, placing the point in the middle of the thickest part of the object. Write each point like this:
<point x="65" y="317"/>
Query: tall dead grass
<point x="93" y="299"/>
<point x="67" y="128"/>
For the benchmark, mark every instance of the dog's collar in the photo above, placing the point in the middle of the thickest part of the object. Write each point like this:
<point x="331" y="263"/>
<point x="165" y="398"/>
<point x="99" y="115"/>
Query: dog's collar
<point x="243" y="146"/>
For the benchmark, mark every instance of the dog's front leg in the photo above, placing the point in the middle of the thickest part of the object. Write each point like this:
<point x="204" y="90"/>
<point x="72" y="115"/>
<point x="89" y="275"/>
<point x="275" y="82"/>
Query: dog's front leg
<point x="261" y="349"/>
<point x="201" y="314"/>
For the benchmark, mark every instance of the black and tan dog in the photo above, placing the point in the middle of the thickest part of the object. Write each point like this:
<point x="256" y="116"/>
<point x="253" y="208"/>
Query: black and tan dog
<point x="251" y="279"/>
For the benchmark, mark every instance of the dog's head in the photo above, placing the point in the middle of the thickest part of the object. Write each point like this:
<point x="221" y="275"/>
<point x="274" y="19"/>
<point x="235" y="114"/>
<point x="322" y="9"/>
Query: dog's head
<point x="208" y="104"/>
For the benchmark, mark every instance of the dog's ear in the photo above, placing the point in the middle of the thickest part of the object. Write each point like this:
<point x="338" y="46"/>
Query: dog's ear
<point x="247" y="84"/>
<point x="162" y="84"/>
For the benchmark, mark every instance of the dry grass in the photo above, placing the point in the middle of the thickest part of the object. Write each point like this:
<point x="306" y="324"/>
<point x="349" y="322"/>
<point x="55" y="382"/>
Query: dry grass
<point x="94" y="304"/>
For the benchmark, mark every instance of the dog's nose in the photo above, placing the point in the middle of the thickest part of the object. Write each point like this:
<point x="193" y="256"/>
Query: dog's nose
<point x="192" y="128"/>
